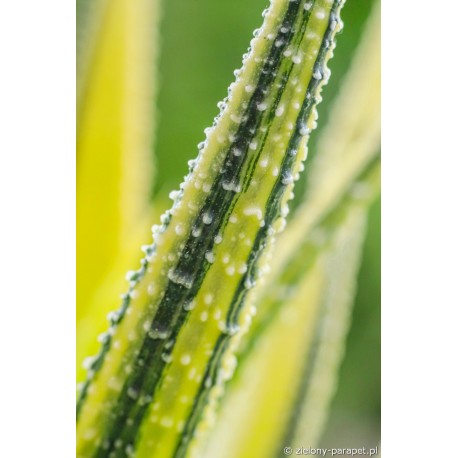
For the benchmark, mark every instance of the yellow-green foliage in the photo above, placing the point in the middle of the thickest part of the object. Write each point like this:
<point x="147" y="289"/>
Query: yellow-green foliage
<point x="115" y="120"/>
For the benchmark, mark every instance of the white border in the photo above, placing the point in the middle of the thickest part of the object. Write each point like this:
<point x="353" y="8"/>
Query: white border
<point x="37" y="228"/>
<point x="419" y="229"/>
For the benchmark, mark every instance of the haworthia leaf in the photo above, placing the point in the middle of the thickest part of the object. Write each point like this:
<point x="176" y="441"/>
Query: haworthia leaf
<point x="170" y="347"/>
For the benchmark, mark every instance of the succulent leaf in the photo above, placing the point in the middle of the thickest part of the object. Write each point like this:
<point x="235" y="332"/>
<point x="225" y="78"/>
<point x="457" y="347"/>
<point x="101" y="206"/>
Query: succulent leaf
<point x="170" y="347"/>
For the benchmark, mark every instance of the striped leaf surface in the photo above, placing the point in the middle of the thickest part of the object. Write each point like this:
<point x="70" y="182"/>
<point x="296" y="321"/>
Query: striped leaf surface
<point x="170" y="345"/>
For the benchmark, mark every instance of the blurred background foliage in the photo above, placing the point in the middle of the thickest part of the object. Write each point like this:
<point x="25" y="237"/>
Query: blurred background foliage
<point x="200" y="45"/>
